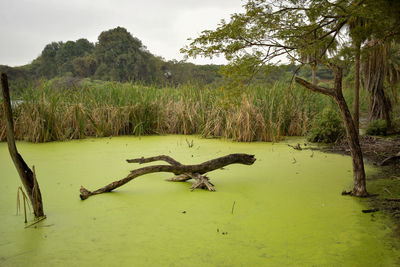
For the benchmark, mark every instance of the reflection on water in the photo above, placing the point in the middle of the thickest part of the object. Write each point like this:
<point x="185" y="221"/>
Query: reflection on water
<point x="287" y="209"/>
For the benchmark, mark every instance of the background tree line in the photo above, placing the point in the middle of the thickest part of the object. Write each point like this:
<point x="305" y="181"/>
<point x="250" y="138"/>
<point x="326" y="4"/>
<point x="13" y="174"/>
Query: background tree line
<point x="118" y="56"/>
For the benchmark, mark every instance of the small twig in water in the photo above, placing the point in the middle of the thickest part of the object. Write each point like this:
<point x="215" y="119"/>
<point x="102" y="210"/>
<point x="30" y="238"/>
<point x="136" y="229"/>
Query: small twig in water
<point x="190" y="144"/>
<point x="233" y="206"/>
<point x="24" y="199"/>
<point x="18" y="202"/>
<point x="387" y="190"/>
<point x="371" y="210"/>
<point x="41" y="219"/>
<point x="297" y="147"/>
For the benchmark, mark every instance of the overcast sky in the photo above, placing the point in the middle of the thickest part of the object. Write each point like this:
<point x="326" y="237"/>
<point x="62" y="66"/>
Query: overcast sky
<point x="26" y="26"/>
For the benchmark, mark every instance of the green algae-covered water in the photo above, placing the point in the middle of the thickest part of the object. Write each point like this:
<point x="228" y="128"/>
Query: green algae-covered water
<point x="287" y="209"/>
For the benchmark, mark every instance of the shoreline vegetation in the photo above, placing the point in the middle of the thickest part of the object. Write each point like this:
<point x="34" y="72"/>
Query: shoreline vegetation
<point x="100" y="109"/>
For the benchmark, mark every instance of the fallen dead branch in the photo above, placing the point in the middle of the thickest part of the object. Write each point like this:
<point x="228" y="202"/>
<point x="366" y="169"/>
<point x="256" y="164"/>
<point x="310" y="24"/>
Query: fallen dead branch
<point x="390" y="159"/>
<point x="182" y="172"/>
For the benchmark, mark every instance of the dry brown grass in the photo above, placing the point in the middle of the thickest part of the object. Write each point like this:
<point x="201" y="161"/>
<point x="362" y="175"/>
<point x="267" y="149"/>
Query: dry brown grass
<point x="111" y="109"/>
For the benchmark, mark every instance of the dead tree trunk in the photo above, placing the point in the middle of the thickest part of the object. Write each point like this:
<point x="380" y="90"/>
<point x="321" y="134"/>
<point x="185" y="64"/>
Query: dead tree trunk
<point x="374" y="70"/>
<point x="25" y="173"/>
<point x="182" y="172"/>
<point x="359" y="187"/>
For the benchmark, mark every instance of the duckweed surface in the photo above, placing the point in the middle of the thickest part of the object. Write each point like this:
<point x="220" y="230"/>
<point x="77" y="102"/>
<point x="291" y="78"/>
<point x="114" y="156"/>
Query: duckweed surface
<point x="286" y="209"/>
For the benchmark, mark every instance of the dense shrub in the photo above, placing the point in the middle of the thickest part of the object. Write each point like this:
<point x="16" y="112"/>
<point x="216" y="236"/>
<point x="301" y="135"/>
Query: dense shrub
<point x="377" y="127"/>
<point x="327" y="127"/>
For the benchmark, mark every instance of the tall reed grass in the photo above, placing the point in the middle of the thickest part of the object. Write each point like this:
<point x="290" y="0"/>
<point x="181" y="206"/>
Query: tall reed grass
<point x="109" y="109"/>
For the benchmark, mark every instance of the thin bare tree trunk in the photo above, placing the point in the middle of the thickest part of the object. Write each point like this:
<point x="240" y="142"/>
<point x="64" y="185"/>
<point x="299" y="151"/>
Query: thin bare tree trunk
<point x="28" y="177"/>
<point x="356" y="102"/>
<point x="359" y="185"/>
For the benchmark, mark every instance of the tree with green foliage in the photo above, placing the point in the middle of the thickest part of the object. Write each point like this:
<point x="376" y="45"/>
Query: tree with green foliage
<point x="57" y="58"/>
<point x="47" y="61"/>
<point x="84" y="66"/>
<point x="270" y="29"/>
<point x="121" y="55"/>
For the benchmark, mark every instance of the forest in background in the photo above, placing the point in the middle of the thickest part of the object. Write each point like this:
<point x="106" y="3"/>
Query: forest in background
<point x="119" y="56"/>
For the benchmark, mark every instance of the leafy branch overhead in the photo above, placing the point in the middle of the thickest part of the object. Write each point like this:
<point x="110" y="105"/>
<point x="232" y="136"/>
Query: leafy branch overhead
<point x="269" y="29"/>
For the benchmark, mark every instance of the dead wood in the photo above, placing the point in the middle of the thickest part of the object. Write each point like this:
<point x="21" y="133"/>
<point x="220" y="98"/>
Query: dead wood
<point x="370" y="210"/>
<point x="389" y="160"/>
<point x="392" y="199"/>
<point x="28" y="177"/>
<point x="297" y="147"/>
<point x="182" y="172"/>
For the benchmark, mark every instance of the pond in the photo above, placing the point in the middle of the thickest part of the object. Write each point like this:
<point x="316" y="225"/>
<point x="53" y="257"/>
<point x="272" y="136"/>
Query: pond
<point x="286" y="209"/>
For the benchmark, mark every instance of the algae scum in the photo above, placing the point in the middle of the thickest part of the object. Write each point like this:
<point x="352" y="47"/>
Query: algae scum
<point x="286" y="209"/>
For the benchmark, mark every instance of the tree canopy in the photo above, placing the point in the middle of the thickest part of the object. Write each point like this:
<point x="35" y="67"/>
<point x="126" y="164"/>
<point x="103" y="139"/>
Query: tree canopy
<point x="269" y="29"/>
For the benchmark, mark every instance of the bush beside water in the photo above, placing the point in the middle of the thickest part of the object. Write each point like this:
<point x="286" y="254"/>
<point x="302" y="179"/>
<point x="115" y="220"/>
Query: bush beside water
<point x="377" y="127"/>
<point x="327" y="127"/>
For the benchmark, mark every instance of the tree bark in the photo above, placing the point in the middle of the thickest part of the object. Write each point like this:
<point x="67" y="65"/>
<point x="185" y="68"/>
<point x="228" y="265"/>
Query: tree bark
<point x="356" y="102"/>
<point x="183" y="172"/>
<point x="314" y="74"/>
<point x="359" y="185"/>
<point x="374" y="70"/>
<point x="28" y="177"/>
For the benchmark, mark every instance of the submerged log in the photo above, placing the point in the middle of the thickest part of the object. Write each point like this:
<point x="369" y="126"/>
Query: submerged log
<point x="27" y="176"/>
<point x="182" y="172"/>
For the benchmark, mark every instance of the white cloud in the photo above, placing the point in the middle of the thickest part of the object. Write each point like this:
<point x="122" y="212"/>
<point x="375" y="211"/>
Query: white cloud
<point x="163" y="26"/>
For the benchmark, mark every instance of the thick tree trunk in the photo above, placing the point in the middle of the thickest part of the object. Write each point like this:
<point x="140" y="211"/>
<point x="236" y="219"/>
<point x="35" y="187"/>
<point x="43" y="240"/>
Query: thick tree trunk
<point x="359" y="185"/>
<point x="183" y="172"/>
<point x="379" y="105"/>
<point x="356" y="103"/>
<point x="374" y="70"/>
<point x="25" y="173"/>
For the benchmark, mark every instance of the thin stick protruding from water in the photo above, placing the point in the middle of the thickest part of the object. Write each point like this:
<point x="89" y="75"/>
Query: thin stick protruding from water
<point x="233" y="206"/>
<point x="24" y="199"/>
